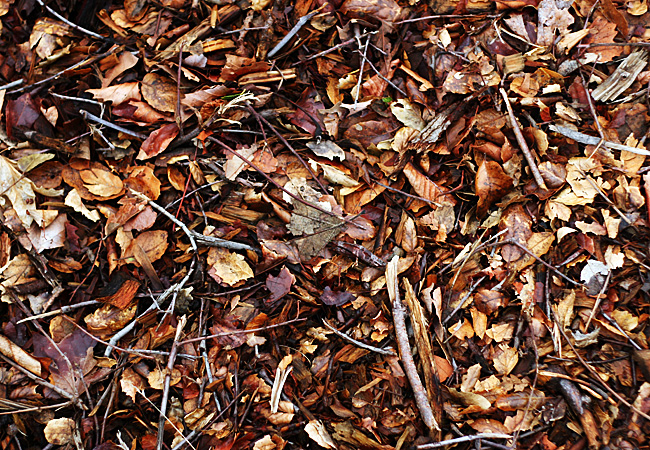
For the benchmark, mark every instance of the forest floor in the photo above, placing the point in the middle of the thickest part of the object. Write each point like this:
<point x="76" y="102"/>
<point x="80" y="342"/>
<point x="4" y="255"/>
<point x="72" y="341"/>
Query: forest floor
<point x="357" y="224"/>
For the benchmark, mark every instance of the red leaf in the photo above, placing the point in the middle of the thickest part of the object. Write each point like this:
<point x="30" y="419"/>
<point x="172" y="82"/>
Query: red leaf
<point x="158" y="141"/>
<point x="280" y="285"/>
<point x="335" y="298"/>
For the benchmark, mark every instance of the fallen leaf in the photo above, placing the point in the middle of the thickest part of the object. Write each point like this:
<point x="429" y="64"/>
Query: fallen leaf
<point x="491" y="184"/>
<point x="153" y="243"/>
<point x="19" y="356"/>
<point x="281" y="285"/>
<point x="158" y="141"/>
<point x="228" y="268"/>
<point x="60" y="431"/>
<point x="159" y="92"/>
<point x="319" y="434"/>
<point x="117" y="94"/>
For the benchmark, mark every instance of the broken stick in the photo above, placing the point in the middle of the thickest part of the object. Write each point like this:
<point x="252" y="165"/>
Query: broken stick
<point x="401" y="335"/>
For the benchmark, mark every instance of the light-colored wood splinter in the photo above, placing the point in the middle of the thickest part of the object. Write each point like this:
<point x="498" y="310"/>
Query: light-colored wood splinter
<point x="401" y="335"/>
<point x="522" y="143"/>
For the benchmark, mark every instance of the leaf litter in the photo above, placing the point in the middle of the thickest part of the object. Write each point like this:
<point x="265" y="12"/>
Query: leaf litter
<point x="362" y="224"/>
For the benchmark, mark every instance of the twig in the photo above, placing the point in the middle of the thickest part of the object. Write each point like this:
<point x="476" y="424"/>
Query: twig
<point x="5" y="403"/>
<point x="72" y="25"/>
<point x="63" y="393"/>
<point x="540" y="260"/>
<point x="176" y="288"/>
<point x="168" y="376"/>
<point x="379" y="74"/>
<point x="195" y="433"/>
<point x="363" y="62"/>
<point x="272" y="181"/>
<point x="12" y="84"/>
<point x="179" y="119"/>
<point x="252" y="330"/>
<point x="285" y="40"/>
<point x="286" y="143"/>
<point x="611" y="203"/>
<point x="381" y="351"/>
<point x="522" y="142"/>
<point x="88" y="60"/>
<point x="332" y="49"/>
<point x="63" y="310"/>
<point x="195" y="238"/>
<point x="593" y="140"/>
<point x="449" y="16"/>
<point x="401" y="335"/>
<point x="596" y="375"/>
<point x="461" y="439"/>
<point x="598" y="299"/>
<point x="615" y="44"/>
<point x="89" y="116"/>
<point x="618" y="327"/>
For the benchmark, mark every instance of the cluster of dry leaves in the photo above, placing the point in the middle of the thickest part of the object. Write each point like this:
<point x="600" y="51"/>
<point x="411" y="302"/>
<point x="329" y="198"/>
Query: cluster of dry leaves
<point x="216" y="216"/>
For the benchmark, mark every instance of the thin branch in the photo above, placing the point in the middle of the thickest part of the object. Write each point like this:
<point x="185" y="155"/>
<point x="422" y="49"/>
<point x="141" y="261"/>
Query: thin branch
<point x="63" y="310"/>
<point x="63" y="393"/>
<point x="462" y="439"/>
<point x="540" y="260"/>
<point x="601" y="294"/>
<point x="522" y="143"/>
<point x="72" y="25"/>
<point x="357" y="91"/>
<point x="252" y="330"/>
<point x="332" y="49"/>
<point x="89" y="116"/>
<point x="449" y="16"/>
<point x="168" y="376"/>
<point x="379" y="74"/>
<point x="285" y="40"/>
<point x="12" y="84"/>
<point x="88" y="60"/>
<point x="593" y="140"/>
<point x="596" y="375"/>
<point x="401" y="335"/>
<point x="272" y="181"/>
<point x="286" y="143"/>
<point x="381" y="351"/>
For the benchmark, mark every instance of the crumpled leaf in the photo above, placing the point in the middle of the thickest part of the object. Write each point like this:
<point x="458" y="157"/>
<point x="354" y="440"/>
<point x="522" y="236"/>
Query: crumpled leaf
<point x="19" y="356"/>
<point x="60" y="431"/>
<point x="73" y="200"/>
<point x="552" y="19"/>
<point x="19" y="191"/>
<point x="159" y="92"/>
<point x="319" y="434"/>
<point x="228" y="268"/>
<point x="491" y="184"/>
<point x="153" y="243"/>
<point x="281" y="285"/>
<point x="117" y="94"/>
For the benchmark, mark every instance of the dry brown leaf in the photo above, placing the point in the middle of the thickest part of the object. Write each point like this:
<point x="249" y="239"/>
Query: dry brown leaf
<point x="153" y="243"/>
<point x="491" y="184"/>
<point x="117" y="94"/>
<point x="60" y="431"/>
<point x="319" y="434"/>
<point x="19" y="356"/>
<point x="131" y="383"/>
<point x="159" y="92"/>
<point x="228" y="268"/>
<point x="505" y="359"/>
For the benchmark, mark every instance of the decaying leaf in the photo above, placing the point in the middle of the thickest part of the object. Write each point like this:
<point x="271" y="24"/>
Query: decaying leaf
<point x="228" y="268"/>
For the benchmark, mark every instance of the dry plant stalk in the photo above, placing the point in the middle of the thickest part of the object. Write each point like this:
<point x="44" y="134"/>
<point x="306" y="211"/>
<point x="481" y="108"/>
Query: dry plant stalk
<point x="401" y="335"/>
<point x="425" y="349"/>
<point x="522" y="142"/>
